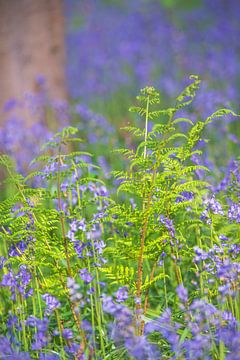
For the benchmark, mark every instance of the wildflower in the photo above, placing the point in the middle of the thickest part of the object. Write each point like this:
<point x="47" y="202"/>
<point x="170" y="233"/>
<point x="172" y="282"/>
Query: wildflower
<point x="140" y="348"/>
<point x="51" y="302"/>
<point x="99" y="246"/>
<point x="167" y="328"/>
<point x="17" y="249"/>
<point x="169" y="225"/>
<point x="185" y="196"/>
<point x="67" y="334"/>
<point x="86" y="276"/>
<point x="121" y="294"/>
<point x="182" y="293"/>
<point x="73" y="287"/>
<point x="214" y="206"/>
<point x="41" y="338"/>
<point x="7" y="351"/>
<point x="44" y="356"/>
<point x="18" y="283"/>
<point x="2" y="261"/>
<point x="234" y="212"/>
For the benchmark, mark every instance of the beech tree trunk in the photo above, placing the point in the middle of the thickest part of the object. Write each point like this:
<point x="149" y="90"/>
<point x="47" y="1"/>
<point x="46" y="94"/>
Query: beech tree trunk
<point x="31" y="44"/>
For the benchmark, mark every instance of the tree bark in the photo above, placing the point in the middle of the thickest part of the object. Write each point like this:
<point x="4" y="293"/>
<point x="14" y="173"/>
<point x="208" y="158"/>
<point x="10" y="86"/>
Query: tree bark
<point x="31" y="44"/>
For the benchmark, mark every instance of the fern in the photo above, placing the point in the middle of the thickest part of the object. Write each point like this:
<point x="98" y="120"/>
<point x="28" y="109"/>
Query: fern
<point x="160" y="171"/>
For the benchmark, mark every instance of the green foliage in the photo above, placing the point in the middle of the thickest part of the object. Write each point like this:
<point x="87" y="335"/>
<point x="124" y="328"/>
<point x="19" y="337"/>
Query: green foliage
<point x="143" y="240"/>
<point x="160" y="173"/>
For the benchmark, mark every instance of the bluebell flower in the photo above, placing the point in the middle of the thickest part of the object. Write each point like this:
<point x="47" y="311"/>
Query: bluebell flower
<point x="169" y="225"/>
<point x="140" y="348"/>
<point x="2" y="261"/>
<point x="18" y="249"/>
<point x="86" y="276"/>
<point x="51" y="303"/>
<point x="74" y="288"/>
<point x="7" y="351"/>
<point x="121" y="294"/>
<point x="234" y="212"/>
<point x="182" y="293"/>
<point x="41" y="337"/>
<point x="67" y="334"/>
<point x="46" y="356"/>
<point x="185" y="196"/>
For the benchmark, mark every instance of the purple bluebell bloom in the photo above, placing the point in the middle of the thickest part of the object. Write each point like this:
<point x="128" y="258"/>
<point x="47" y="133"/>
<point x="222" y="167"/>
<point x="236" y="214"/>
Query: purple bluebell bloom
<point x="51" y="303"/>
<point x="2" y="261"/>
<point x="169" y="225"/>
<point x="182" y="293"/>
<point x="86" y="276"/>
<point x="41" y="337"/>
<point x="46" y="356"/>
<point x="121" y="294"/>
<point x="67" y="334"/>
<point x="234" y="212"/>
<point x="74" y="288"/>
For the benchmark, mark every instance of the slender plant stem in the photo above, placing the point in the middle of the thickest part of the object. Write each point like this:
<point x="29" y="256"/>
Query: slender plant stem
<point x="146" y="128"/>
<point x="65" y="242"/>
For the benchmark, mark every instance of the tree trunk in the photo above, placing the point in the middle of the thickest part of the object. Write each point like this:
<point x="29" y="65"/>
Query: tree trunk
<point x="31" y="44"/>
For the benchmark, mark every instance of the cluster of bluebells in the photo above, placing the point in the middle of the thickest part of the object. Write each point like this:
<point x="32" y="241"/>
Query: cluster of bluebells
<point x="122" y="331"/>
<point x="7" y="350"/>
<point x="203" y="323"/>
<point x="212" y="206"/>
<point x="135" y="56"/>
<point x="169" y="225"/>
<point x="51" y="303"/>
<point x="173" y="241"/>
<point x="41" y="337"/>
<point x="185" y="196"/>
<point x="92" y="243"/>
<point x="231" y="179"/>
<point x="18" y="282"/>
<point x="220" y="264"/>
<point x="234" y="212"/>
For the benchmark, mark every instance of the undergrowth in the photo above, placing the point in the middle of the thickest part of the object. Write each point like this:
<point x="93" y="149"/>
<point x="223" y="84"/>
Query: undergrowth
<point x="145" y="269"/>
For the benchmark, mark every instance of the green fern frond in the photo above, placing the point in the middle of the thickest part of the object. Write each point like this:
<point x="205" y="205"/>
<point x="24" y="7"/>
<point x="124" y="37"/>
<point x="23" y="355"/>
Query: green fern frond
<point x="187" y="95"/>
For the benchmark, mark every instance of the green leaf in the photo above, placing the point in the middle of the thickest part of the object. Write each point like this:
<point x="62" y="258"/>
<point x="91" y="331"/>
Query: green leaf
<point x="220" y="113"/>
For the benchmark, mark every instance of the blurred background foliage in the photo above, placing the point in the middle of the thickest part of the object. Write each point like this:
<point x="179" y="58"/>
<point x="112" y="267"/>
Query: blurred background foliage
<point x="112" y="49"/>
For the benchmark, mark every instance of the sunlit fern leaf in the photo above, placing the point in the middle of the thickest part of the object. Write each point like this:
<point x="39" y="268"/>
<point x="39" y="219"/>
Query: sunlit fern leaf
<point x="148" y="283"/>
<point x="219" y="113"/>
<point x="187" y="95"/>
<point x="134" y="131"/>
<point x="182" y="120"/>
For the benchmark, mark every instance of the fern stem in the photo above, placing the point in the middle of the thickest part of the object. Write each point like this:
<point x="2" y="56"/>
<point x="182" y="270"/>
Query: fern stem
<point x="142" y="244"/>
<point x="60" y="327"/>
<point x="146" y="128"/>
